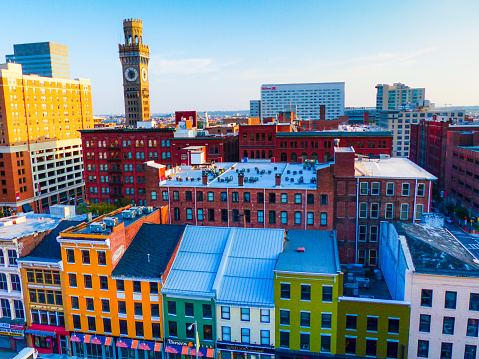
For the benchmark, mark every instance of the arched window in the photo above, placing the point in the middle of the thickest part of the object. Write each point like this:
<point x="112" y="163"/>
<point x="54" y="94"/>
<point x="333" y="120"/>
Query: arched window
<point x="137" y="143"/>
<point x="314" y="156"/>
<point x="257" y="153"/>
<point x="263" y="154"/>
<point x="294" y="157"/>
<point x="142" y="143"/>
<point x="252" y="154"/>
<point x="150" y="143"/>
<point x="154" y="143"/>
<point x="270" y="154"/>
<point x="284" y="157"/>
<point x="245" y="153"/>
<point x="304" y="156"/>
<point x="136" y="39"/>
<point x="162" y="143"/>
<point x="327" y="157"/>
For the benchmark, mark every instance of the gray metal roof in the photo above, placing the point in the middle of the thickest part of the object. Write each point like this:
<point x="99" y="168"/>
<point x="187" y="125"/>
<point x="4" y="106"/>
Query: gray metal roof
<point x="235" y="264"/>
<point x="320" y="255"/>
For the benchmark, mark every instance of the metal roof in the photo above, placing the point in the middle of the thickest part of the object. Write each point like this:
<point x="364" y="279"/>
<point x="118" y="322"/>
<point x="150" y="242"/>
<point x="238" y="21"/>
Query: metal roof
<point x="234" y="264"/>
<point x="320" y="255"/>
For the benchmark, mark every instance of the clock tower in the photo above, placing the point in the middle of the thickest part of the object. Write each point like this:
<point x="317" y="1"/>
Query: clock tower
<point x="134" y="58"/>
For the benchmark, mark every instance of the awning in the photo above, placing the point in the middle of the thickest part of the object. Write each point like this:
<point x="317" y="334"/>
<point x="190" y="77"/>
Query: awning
<point x="76" y="338"/>
<point x="157" y="347"/>
<point x="185" y="350"/>
<point x="97" y="339"/>
<point x="108" y="341"/>
<point x="123" y="343"/>
<point x="87" y="338"/>
<point x="146" y="345"/>
<point x="41" y="333"/>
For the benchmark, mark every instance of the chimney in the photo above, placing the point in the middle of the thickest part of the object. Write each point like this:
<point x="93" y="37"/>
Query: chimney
<point x="277" y="178"/>
<point x="240" y="179"/>
<point x="204" y="177"/>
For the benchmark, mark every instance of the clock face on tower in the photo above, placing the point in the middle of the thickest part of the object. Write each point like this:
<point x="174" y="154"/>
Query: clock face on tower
<point x="131" y="74"/>
<point x="144" y="74"/>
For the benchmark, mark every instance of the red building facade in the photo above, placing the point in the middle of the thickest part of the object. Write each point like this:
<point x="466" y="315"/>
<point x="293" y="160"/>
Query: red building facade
<point x="114" y="159"/>
<point x="272" y="141"/>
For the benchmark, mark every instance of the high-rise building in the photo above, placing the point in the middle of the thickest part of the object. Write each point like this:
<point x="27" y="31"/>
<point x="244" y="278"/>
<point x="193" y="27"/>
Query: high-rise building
<point x="134" y="57"/>
<point x="42" y="58"/>
<point x="40" y="146"/>
<point x="305" y="99"/>
<point x="255" y="108"/>
<point x="391" y="97"/>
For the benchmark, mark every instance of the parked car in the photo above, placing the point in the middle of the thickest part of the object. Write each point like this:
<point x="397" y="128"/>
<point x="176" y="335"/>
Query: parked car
<point x="449" y="220"/>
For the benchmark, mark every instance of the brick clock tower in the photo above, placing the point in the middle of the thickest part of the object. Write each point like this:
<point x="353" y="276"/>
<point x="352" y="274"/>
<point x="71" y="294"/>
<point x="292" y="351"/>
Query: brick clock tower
<point x="134" y="58"/>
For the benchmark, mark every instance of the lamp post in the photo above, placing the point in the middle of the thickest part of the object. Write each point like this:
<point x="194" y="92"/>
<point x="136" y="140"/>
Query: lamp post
<point x="197" y="339"/>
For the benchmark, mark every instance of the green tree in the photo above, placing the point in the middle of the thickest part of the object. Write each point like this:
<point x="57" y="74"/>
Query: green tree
<point x="461" y="212"/>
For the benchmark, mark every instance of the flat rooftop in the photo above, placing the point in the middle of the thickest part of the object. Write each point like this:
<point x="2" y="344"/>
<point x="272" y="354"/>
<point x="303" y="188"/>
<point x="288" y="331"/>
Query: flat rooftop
<point x="22" y="225"/>
<point x="337" y="133"/>
<point x="436" y="251"/>
<point x="393" y="167"/>
<point x="309" y="252"/>
<point x="259" y="174"/>
<point x="360" y="282"/>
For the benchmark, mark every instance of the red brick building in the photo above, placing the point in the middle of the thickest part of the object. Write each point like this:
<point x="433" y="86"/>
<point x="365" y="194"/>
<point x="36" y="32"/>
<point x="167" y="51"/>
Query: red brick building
<point x="297" y="195"/>
<point x="429" y="142"/>
<point x="278" y="141"/>
<point x="114" y="158"/>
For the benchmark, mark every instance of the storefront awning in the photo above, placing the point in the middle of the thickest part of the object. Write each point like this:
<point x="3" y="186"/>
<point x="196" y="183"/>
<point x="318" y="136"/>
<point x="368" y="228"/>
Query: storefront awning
<point x="97" y="339"/>
<point x="123" y="343"/>
<point x="185" y="350"/>
<point x="76" y="338"/>
<point x="41" y="333"/>
<point x="157" y="347"/>
<point x="108" y="341"/>
<point x="143" y="345"/>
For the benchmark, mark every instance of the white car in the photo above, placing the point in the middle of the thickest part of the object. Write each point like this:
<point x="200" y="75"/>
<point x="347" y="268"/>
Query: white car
<point x="449" y="220"/>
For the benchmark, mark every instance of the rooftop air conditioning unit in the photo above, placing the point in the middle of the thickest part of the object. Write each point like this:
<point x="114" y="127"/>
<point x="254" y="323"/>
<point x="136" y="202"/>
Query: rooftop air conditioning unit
<point x="110" y="221"/>
<point x="128" y="214"/>
<point x="148" y="209"/>
<point x="97" y="227"/>
<point x="137" y="210"/>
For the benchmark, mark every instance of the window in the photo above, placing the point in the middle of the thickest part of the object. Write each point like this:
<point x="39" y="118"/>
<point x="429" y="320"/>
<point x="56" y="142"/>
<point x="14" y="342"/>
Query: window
<point x="284" y="317"/>
<point x="245" y="335"/>
<point x="207" y="312"/>
<point x="156" y="330"/>
<point x="390" y="189"/>
<point x="123" y="327"/>
<point x="363" y="188"/>
<point x="450" y="300"/>
<point x="224" y="215"/>
<point x="105" y="306"/>
<point x="246" y="197"/>
<point x="304" y="341"/>
<point x="199" y="196"/>
<point x="284" y="217"/>
<point x="260" y="197"/>
<point x="305" y="292"/>
<point x="136" y="286"/>
<point x="426" y="298"/>
<point x="107" y="325"/>
<point x="224" y="197"/>
<point x="446" y="350"/>
<point x="226" y="334"/>
<point x="371" y="346"/>
<point x="375" y="188"/>
<point x="392" y="349"/>
<point x="297" y="217"/>
<point x="421" y="189"/>
<point x="272" y="197"/>
<point x="101" y="258"/>
<point x="153" y="195"/>
<point x="425" y="323"/>
<point x="120" y="285"/>
<point x="393" y="326"/>
<point x="405" y="189"/>
<point x="89" y="304"/>
<point x="374" y="210"/>
<point x="12" y="258"/>
<point x="245" y="314"/>
<point x="265" y="337"/>
<point x="470" y="351"/>
<point x="284" y="198"/>
<point x="189" y="310"/>
<point x="297" y="198"/>
<point x="351" y="321"/>
<point x="325" y="343"/>
<point x="272" y="217"/>
<point x="419" y="211"/>
<point x="173" y="328"/>
<point x="350" y="347"/>
<point x="285" y="290"/>
<point x="372" y="324"/>
<point x="264" y="316"/>
<point x="189" y="214"/>
<point x="305" y="319"/>
<point x="327" y="293"/>
<point x="207" y="332"/>
<point x="103" y="282"/>
<point x="310" y="198"/>
<point x="363" y="210"/>
<point x="154" y="288"/>
<point x="422" y="348"/>
<point x="211" y="215"/>
<point x="121" y="307"/>
<point x="188" y="196"/>
<point x="75" y="303"/>
<point x="76" y="321"/>
<point x="138" y="308"/>
<point x="211" y="196"/>
<point x="85" y="257"/>
<point x="472" y="327"/>
<point x="474" y="302"/>
<point x="260" y="216"/>
<point x="164" y="195"/>
<point x="225" y="313"/>
<point x="176" y="196"/>
<point x="389" y="211"/>
<point x="448" y="325"/>
<point x="283" y="339"/>
<point x="70" y="255"/>
<point x="171" y="307"/>
<point x="404" y="211"/>
<point x="326" y="319"/>
<point x="87" y="281"/>
<point x="91" y="324"/>
<point x="199" y="214"/>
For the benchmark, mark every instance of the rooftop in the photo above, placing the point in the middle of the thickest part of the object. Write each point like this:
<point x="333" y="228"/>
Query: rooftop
<point x="24" y="224"/>
<point x="150" y="251"/>
<point x="436" y="251"/>
<point x="338" y="133"/>
<point x="393" y="167"/>
<point x="314" y="252"/>
<point x="236" y="264"/>
<point x="260" y="174"/>
<point x="49" y="249"/>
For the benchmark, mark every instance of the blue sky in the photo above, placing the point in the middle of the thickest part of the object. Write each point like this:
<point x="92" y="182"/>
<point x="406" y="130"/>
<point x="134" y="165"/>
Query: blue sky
<point x="214" y="55"/>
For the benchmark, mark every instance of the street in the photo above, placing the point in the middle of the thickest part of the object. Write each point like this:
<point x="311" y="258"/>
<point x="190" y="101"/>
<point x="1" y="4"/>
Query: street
<point x="470" y="242"/>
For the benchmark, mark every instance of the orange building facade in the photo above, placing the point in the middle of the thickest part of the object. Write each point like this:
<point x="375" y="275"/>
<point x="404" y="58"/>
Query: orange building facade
<point x="40" y="146"/>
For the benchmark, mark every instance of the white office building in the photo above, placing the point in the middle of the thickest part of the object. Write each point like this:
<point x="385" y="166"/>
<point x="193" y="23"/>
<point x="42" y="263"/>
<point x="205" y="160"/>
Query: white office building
<point x="306" y="98"/>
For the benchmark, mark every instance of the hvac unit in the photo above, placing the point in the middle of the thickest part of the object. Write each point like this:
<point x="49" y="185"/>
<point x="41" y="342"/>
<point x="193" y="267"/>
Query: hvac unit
<point x="147" y="209"/>
<point x="137" y="210"/>
<point x="110" y="221"/>
<point x="98" y="227"/>
<point x="128" y="214"/>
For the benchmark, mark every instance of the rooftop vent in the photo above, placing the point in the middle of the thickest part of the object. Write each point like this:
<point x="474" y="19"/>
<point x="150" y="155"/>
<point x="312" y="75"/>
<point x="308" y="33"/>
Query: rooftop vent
<point x="301" y="249"/>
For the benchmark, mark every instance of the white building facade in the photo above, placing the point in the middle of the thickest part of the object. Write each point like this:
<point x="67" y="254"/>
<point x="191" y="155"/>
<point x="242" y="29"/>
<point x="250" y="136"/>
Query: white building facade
<point x="304" y="98"/>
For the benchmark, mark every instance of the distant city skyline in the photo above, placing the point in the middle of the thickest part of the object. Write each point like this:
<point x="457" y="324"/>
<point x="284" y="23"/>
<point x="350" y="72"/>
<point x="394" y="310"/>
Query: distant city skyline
<point x="216" y="55"/>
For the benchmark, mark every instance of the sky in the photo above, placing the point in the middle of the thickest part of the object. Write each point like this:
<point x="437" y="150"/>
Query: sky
<point x="215" y="55"/>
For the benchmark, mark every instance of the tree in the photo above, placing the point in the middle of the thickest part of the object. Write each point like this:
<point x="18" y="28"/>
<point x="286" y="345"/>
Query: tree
<point x="122" y="202"/>
<point x="461" y="212"/>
